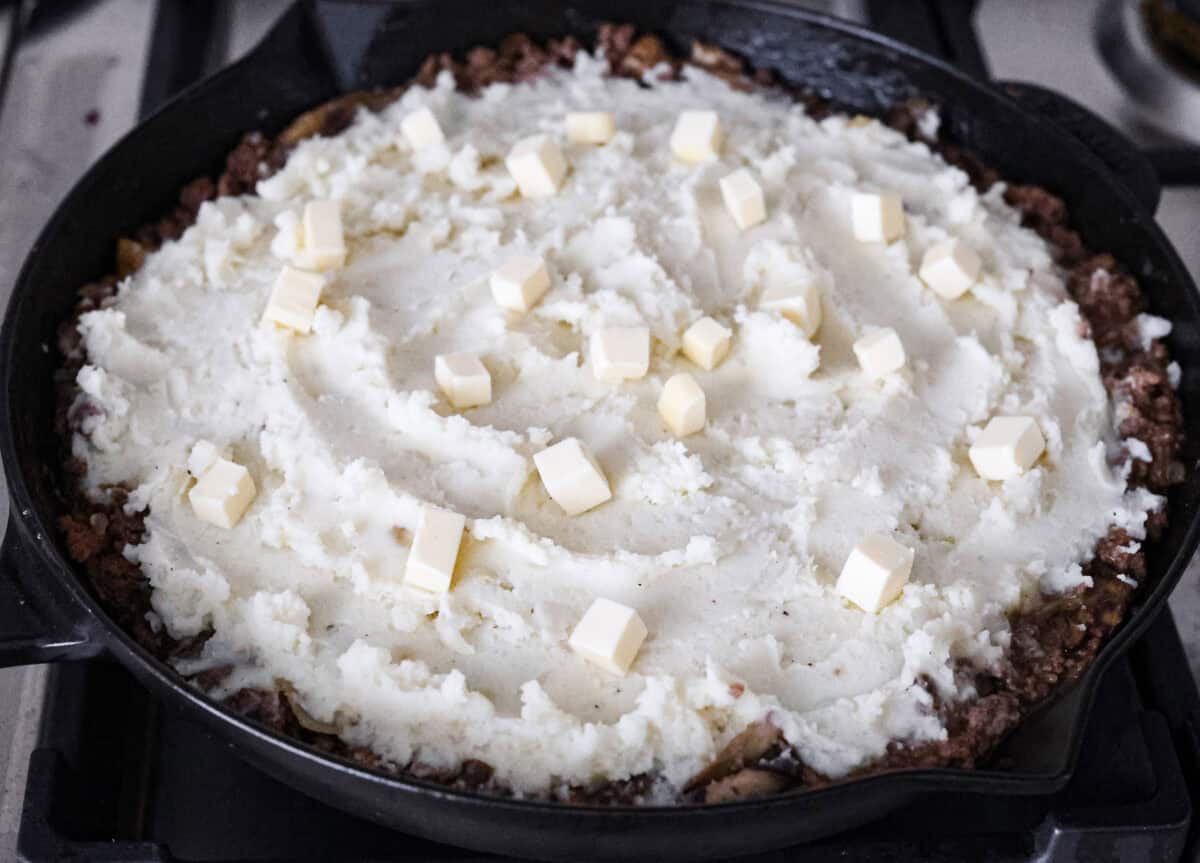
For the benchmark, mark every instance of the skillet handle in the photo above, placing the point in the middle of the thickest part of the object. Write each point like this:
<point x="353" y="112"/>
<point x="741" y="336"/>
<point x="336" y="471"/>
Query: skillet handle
<point x="33" y="628"/>
<point x="1116" y="151"/>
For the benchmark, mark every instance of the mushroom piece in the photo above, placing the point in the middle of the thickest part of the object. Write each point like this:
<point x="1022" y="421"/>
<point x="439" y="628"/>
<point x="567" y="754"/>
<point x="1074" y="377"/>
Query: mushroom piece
<point x="752" y="745"/>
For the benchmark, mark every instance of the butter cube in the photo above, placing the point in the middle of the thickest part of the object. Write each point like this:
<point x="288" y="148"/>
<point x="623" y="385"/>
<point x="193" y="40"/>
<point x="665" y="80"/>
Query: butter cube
<point x="949" y="268"/>
<point x="590" y="127"/>
<point x="697" y="136"/>
<point x="706" y="343"/>
<point x="421" y="129"/>
<point x="875" y="572"/>
<point x="744" y="199"/>
<point x="682" y="405"/>
<point x="609" y="635"/>
<point x="538" y="166"/>
<point x="223" y="493"/>
<point x="520" y="283"/>
<point x="572" y="477"/>
<point x="294" y="299"/>
<point x="877" y="218"/>
<point x="434" y="550"/>
<point x="1007" y="447"/>
<point x="204" y="455"/>
<point x="324" y="244"/>
<point x="464" y="379"/>
<point x="880" y="353"/>
<point x="621" y="354"/>
<point x="800" y="303"/>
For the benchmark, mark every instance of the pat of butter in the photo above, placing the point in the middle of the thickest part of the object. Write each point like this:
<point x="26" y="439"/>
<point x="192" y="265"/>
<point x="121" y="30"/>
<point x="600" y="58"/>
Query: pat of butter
<point x="875" y="572"/>
<point x="464" y="379"/>
<point x="204" y="455"/>
<point x="706" y="343"/>
<point x="434" y="551"/>
<point x="877" y="218"/>
<point x="538" y="166"/>
<point x="621" y="354"/>
<point x="520" y="283"/>
<point x="590" y="127"/>
<point x="421" y="129"/>
<point x="799" y="303"/>
<point x="294" y="299"/>
<point x="1007" y="447"/>
<point x="697" y="136"/>
<point x="682" y="405"/>
<point x="324" y="246"/>
<point x="572" y="476"/>
<point x="609" y="635"/>
<point x="223" y="493"/>
<point x="949" y="268"/>
<point x="744" y="199"/>
<point x="880" y="353"/>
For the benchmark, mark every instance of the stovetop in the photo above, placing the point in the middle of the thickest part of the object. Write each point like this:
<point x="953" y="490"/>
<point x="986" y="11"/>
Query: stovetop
<point x="91" y="768"/>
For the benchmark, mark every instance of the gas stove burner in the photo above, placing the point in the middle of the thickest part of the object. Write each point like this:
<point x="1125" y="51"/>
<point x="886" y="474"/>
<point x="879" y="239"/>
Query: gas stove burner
<point x="1160" y="73"/>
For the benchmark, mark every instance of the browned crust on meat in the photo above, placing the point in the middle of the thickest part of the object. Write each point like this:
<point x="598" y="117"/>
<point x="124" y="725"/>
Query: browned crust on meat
<point x="1052" y="641"/>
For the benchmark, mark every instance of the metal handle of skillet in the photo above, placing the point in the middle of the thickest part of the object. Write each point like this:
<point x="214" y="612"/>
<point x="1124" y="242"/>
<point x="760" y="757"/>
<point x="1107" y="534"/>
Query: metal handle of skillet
<point x="33" y="626"/>
<point x="1119" y="155"/>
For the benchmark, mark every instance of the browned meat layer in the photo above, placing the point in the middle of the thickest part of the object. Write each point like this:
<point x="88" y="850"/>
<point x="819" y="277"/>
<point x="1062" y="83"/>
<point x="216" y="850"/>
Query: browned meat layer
<point x="1052" y="641"/>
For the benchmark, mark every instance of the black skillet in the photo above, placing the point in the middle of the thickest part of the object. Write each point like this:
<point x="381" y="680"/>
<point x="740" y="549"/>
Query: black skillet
<point x="321" y="49"/>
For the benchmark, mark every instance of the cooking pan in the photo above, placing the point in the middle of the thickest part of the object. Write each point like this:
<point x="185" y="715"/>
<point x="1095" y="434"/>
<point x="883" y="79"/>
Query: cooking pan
<point x="320" y="49"/>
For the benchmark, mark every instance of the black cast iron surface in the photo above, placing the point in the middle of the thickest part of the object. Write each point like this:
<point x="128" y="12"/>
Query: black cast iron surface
<point x="116" y="777"/>
<point x="321" y="49"/>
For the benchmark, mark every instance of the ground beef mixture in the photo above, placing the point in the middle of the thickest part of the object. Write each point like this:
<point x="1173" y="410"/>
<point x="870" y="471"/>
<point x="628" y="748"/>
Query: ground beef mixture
<point x="1052" y="642"/>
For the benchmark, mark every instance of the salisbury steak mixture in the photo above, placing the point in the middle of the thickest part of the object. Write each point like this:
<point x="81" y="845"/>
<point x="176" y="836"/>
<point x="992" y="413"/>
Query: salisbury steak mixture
<point x="637" y="433"/>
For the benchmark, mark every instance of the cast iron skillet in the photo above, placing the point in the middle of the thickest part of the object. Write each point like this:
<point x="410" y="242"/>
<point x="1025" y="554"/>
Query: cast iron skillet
<point x="319" y="50"/>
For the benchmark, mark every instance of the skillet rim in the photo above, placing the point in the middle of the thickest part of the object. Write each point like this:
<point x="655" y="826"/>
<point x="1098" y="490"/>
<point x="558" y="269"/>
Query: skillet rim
<point x="41" y="542"/>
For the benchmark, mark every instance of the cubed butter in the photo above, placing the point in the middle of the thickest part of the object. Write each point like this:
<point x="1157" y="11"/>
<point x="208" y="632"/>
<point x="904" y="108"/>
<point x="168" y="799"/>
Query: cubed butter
<point x="572" y="476"/>
<point x="538" y="166"/>
<point x="706" y="343"/>
<point x="880" y="353"/>
<point x="682" y="405"/>
<point x="877" y="218"/>
<point x="621" y="354"/>
<point x="204" y="455"/>
<point x="223" y="493"/>
<point x="324" y="245"/>
<point x="464" y="379"/>
<point x="697" y="136"/>
<point x="609" y="635"/>
<point x="421" y="129"/>
<point x="1007" y="447"/>
<point x="590" y="127"/>
<point x="294" y="299"/>
<point x="434" y="550"/>
<point x="949" y="268"/>
<point x="520" y="283"/>
<point x="743" y="199"/>
<point x="875" y="572"/>
<point x="800" y="303"/>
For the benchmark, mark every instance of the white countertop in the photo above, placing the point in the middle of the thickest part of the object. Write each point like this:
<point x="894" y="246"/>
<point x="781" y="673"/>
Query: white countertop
<point x="97" y="62"/>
